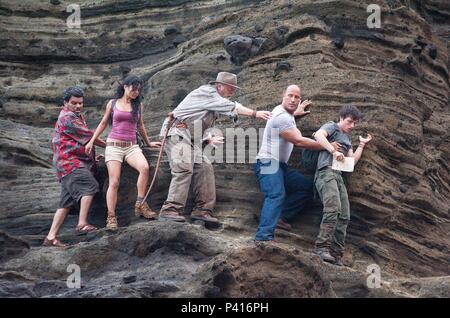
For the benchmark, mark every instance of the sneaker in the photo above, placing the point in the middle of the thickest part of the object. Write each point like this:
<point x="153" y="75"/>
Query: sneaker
<point x="259" y="243"/>
<point x="145" y="211"/>
<point x="111" y="223"/>
<point x="282" y="224"/>
<point x="204" y="216"/>
<point x="171" y="216"/>
<point x="324" y="255"/>
<point x="263" y="243"/>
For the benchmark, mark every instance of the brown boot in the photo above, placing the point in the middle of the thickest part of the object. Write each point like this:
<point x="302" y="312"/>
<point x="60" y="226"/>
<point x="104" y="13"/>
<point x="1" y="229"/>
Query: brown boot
<point x="203" y="216"/>
<point x="144" y="210"/>
<point x="324" y="255"/>
<point x="171" y="216"/>
<point x="111" y="223"/>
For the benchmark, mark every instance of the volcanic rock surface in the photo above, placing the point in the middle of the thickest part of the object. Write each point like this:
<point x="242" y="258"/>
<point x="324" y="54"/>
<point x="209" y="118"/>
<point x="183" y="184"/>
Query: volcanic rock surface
<point x="398" y="75"/>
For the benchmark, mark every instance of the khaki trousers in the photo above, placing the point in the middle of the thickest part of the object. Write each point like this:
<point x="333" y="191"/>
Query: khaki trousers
<point x="189" y="166"/>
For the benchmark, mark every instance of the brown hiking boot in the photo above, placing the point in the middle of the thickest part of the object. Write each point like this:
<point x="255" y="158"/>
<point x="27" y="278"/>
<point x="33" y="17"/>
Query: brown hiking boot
<point x="282" y="224"/>
<point x="171" y="216"/>
<point x="324" y="255"/>
<point x="144" y="210"/>
<point x="338" y="261"/>
<point x="338" y="258"/>
<point x="204" y="216"/>
<point x="111" y="223"/>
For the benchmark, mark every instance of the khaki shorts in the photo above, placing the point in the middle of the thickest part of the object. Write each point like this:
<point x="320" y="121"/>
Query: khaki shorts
<point x="119" y="153"/>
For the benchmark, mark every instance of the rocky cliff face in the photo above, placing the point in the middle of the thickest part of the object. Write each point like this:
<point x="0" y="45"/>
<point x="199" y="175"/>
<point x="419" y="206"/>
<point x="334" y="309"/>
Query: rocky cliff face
<point x="397" y="75"/>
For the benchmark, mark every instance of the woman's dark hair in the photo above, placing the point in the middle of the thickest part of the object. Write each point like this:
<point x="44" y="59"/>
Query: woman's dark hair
<point x="137" y="83"/>
<point x="74" y="91"/>
<point x="350" y="111"/>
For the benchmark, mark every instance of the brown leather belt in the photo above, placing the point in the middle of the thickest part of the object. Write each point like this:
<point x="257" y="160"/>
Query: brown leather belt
<point x="121" y="144"/>
<point x="181" y="125"/>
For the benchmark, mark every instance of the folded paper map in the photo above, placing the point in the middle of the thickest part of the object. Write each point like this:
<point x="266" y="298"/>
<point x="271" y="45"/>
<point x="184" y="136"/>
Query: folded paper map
<point x="347" y="165"/>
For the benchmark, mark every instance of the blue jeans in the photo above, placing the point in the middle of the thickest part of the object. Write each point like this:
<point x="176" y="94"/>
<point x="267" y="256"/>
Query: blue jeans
<point x="286" y="192"/>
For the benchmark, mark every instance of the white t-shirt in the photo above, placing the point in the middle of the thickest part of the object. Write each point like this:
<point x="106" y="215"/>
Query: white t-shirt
<point x="273" y="145"/>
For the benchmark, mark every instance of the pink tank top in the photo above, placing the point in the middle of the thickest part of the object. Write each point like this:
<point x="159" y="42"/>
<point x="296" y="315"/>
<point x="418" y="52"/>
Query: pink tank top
<point x="124" y="126"/>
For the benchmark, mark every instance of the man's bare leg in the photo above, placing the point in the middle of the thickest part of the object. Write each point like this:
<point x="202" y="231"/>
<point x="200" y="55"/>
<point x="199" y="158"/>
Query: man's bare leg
<point x="85" y="205"/>
<point x="58" y="220"/>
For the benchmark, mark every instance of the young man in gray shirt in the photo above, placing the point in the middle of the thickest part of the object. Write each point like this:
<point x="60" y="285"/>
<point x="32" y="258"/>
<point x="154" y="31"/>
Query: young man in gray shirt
<point x="285" y="190"/>
<point x="331" y="187"/>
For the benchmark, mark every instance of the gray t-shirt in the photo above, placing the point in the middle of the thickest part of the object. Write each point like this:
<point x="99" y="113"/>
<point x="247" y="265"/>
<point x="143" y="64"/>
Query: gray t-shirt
<point x="334" y="134"/>
<point x="274" y="146"/>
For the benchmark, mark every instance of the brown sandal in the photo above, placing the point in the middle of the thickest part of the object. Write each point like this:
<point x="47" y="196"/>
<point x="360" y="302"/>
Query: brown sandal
<point x="54" y="243"/>
<point x="85" y="228"/>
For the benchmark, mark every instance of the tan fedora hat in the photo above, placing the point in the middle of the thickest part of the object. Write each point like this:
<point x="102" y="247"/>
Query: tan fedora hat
<point x="227" y="79"/>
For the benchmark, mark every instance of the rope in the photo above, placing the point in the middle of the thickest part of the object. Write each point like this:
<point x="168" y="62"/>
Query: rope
<point x="158" y="163"/>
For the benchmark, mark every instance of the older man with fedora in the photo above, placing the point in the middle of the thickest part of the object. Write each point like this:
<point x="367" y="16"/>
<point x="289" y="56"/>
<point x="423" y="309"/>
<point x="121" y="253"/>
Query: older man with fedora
<point x="195" y="114"/>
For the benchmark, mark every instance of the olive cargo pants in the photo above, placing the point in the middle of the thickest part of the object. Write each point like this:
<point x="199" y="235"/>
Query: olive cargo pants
<point x="336" y="210"/>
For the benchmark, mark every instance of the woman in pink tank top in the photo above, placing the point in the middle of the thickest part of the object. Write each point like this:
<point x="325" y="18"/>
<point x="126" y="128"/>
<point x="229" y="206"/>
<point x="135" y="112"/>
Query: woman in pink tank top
<point x="125" y="115"/>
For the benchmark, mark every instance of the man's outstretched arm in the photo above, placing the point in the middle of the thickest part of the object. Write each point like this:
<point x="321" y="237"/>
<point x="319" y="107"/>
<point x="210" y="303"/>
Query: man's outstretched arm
<point x="294" y="136"/>
<point x="262" y="114"/>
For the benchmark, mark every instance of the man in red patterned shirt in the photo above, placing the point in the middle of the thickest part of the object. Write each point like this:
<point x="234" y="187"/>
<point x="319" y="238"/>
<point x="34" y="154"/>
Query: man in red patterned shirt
<point x="74" y="168"/>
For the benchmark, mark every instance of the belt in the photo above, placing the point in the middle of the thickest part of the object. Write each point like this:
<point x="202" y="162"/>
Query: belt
<point x="181" y="125"/>
<point x="121" y="144"/>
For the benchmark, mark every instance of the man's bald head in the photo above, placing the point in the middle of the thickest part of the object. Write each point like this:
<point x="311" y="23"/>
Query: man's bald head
<point x="291" y="98"/>
<point x="292" y="88"/>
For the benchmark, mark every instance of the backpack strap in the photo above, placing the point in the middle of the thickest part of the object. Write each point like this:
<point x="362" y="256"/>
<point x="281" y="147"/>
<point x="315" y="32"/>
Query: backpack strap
<point x="113" y="105"/>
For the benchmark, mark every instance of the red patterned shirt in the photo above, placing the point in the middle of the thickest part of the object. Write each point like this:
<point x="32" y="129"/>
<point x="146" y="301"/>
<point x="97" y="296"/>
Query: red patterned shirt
<point x="70" y="135"/>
